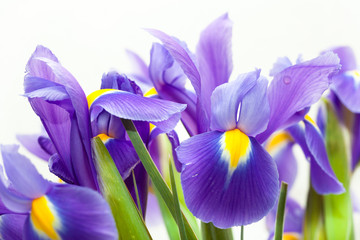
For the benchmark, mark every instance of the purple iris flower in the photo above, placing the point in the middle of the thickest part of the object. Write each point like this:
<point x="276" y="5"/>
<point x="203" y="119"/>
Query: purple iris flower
<point x="34" y="208"/>
<point x="345" y="96"/>
<point x="67" y="114"/>
<point x="227" y="176"/>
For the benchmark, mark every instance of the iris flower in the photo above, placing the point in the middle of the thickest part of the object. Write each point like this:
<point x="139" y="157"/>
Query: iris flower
<point x="34" y="208"/>
<point x="227" y="176"/>
<point x="66" y="114"/>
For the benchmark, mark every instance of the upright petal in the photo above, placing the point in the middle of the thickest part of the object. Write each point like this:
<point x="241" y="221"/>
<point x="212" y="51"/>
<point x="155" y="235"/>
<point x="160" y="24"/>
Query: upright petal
<point x="296" y="88"/>
<point x="347" y="58"/>
<point x="140" y="70"/>
<point x="164" y="114"/>
<point x="22" y="174"/>
<point x="114" y="80"/>
<point x="70" y="212"/>
<point x="227" y="178"/>
<point x="226" y="99"/>
<point x="181" y="55"/>
<point x="214" y="55"/>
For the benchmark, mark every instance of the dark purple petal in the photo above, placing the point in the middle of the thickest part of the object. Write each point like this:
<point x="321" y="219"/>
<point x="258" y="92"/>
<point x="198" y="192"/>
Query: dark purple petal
<point x="11" y="226"/>
<point x="355" y="152"/>
<point x="142" y="183"/>
<point x="174" y="140"/>
<point x="347" y="88"/>
<point x="32" y="144"/>
<point x="226" y="99"/>
<point x="47" y="145"/>
<point x="182" y="57"/>
<point x="323" y="177"/>
<point x="214" y="55"/>
<point x="347" y="58"/>
<point x="22" y="174"/>
<point x="298" y="87"/>
<point x="123" y="154"/>
<point x="216" y="191"/>
<point x="254" y="109"/>
<point x="57" y="167"/>
<point x="79" y="213"/>
<point x="161" y="113"/>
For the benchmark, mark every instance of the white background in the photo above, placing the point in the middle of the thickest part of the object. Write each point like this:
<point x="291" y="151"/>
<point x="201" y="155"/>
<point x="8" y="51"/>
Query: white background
<point x="90" y="37"/>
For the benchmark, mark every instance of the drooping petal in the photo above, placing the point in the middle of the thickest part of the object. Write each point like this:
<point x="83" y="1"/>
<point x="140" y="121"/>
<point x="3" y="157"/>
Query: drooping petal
<point x="226" y="99"/>
<point x="296" y="88"/>
<point x="323" y="177"/>
<point x="31" y="143"/>
<point x="214" y="54"/>
<point x="181" y="55"/>
<point x="11" y="226"/>
<point x="227" y="178"/>
<point x="22" y="174"/>
<point x="45" y="89"/>
<point x="162" y="113"/>
<point x="280" y="64"/>
<point x="57" y="167"/>
<point x="347" y="88"/>
<point x="70" y="212"/>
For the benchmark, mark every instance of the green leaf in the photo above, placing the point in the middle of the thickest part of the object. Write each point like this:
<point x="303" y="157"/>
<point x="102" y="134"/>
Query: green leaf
<point x="179" y="216"/>
<point x="154" y="173"/>
<point x="314" y="217"/>
<point x="280" y="214"/>
<point x="209" y="231"/>
<point x="337" y="208"/>
<point x="129" y="222"/>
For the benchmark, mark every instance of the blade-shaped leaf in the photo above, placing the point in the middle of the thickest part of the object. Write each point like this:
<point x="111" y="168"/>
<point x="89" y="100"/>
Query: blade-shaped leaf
<point x="280" y="214"/>
<point x="128" y="220"/>
<point x="154" y="173"/>
<point x="209" y="231"/>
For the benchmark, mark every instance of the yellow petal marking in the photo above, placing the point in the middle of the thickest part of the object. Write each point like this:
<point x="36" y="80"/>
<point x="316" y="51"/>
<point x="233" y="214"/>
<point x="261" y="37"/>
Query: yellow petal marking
<point x="94" y="95"/>
<point x="291" y="236"/>
<point x="236" y="144"/>
<point x="356" y="73"/>
<point x="42" y="217"/>
<point x="103" y="137"/>
<point x="278" y="140"/>
<point x="151" y="92"/>
<point x="307" y="117"/>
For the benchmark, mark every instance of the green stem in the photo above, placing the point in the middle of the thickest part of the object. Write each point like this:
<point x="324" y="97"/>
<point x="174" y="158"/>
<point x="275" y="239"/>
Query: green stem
<point x="279" y="225"/>
<point x="242" y="233"/>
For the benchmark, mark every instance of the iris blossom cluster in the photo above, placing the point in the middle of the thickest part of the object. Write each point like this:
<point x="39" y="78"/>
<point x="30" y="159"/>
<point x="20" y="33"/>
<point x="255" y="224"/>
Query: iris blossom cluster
<point x="241" y="135"/>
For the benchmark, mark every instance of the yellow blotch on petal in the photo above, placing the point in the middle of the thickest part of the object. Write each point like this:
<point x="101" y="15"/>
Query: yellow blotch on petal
<point x="291" y="236"/>
<point x="307" y="117"/>
<point x="94" y="95"/>
<point x="42" y="218"/>
<point x="151" y="92"/>
<point x="278" y="140"/>
<point x="356" y="73"/>
<point x="103" y="137"/>
<point x="237" y="145"/>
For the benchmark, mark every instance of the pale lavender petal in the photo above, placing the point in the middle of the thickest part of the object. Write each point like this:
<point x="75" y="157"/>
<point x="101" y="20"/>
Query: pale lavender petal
<point x="215" y="192"/>
<point x="214" y="55"/>
<point x="164" y="114"/>
<point x="347" y="58"/>
<point x="281" y="64"/>
<point x="32" y="144"/>
<point x="226" y="99"/>
<point x="140" y="71"/>
<point x="347" y="88"/>
<point x="45" y="89"/>
<point x="298" y="87"/>
<point x="254" y="110"/>
<point x="114" y="80"/>
<point x="22" y="174"/>
<point x="182" y="57"/>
